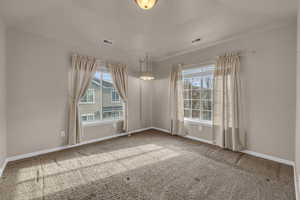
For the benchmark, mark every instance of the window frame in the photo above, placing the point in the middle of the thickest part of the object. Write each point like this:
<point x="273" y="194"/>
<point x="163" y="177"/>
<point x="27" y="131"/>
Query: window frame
<point x="102" y="71"/>
<point x="190" y="75"/>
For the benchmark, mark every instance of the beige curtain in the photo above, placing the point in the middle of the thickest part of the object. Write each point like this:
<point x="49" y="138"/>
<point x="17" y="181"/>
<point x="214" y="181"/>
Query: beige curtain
<point x="120" y="80"/>
<point x="81" y="73"/>
<point x="176" y="101"/>
<point x="227" y="128"/>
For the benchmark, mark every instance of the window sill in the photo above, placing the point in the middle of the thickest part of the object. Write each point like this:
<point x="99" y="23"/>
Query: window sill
<point x="99" y="123"/>
<point x="87" y="103"/>
<point x="198" y="122"/>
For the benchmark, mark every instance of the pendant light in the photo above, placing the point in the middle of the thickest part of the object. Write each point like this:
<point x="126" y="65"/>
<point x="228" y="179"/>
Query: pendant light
<point x="146" y="69"/>
<point x="146" y="4"/>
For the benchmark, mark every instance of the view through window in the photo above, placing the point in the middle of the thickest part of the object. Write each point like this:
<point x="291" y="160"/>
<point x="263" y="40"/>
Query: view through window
<point x="101" y="100"/>
<point x="198" y="93"/>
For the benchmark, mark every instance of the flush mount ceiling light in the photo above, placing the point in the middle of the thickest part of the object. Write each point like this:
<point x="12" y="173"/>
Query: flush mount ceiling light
<point x="146" y="4"/>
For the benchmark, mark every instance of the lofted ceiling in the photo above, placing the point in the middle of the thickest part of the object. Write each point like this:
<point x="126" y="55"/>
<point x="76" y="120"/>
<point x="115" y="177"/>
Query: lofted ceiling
<point x="163" y="31"/>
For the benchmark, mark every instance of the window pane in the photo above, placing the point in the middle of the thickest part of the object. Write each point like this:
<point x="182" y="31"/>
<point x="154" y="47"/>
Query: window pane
<point x="195" y="104"/>
<point x="196" y="94"/>
<point x="206" y="94"/>
<point x="187" y="104"/>
<point x="115" y="96"/>
<point x="197" y="83"/>
<point x="187" y="83"/>
<point x="187" y="94"/>
<point x="89" y="96"/>
<point x="196" y="114"/>
<point x="84" y="118"/>
<point x="206" y="105"/>
<point x="187" y="113"/>
<point x="107" y="77"/>
<point x="207" y="81"/>
<point x="206" y="115"/>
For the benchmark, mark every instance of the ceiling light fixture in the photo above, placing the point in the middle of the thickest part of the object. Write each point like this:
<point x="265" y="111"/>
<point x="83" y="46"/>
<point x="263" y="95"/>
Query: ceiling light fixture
<point x="146" y="4"/>
<point x="146" y="69"/>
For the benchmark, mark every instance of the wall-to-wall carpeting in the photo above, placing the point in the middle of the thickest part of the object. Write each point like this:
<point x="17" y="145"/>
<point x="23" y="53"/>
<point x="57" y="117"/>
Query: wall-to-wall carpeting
<point x="149" y="165"/>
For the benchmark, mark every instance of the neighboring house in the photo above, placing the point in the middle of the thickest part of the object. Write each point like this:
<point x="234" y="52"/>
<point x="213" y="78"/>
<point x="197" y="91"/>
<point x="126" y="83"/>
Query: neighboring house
<point x="101" y="102"/>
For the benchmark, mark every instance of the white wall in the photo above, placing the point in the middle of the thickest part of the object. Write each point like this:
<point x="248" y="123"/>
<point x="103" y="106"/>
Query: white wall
<point x="3" y="139"/>
<point x="37" y="92"/>
<point x="297" y="131"/>
<point x="268" y="85"/>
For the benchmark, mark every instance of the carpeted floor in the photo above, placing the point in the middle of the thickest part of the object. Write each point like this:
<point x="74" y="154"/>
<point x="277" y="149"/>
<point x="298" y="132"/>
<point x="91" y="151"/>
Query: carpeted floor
<point x="149" y="165"/>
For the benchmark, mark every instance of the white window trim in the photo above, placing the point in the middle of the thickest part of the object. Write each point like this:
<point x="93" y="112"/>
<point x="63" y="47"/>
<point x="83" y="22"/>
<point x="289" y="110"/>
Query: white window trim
<point x="100" y="122"/>
<point x="200" y="122"/>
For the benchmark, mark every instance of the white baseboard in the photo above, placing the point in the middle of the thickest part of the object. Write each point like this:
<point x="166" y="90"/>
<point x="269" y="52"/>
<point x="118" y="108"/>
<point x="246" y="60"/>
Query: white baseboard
<point x="161" y="129"/>
<point x="187" y="136"/>
<point x="198" y="139"/>
<point x="268" y="157"/>
<point x="256" y="154"/>
<point x="296" y="182"/>
<point x="37" y="153"/>
<point x="140" y="130"/>
<point x="3" y="167"/>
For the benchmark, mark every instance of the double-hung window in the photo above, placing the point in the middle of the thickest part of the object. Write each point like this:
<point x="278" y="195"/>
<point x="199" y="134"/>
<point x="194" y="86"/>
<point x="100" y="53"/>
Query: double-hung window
<point x="101" y="101"/>
<point x="198" y="94"/>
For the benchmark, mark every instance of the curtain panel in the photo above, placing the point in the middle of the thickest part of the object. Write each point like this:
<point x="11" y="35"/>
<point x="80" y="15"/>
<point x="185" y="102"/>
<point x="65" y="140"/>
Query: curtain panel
<point x="227" y="130"/>
<point x="119" y="75"/>
<point x="176" y="101"/>
<point x="81" y="72"/>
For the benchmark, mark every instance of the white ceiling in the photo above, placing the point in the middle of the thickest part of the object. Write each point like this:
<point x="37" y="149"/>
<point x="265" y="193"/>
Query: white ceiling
<point x="163" y="31"/>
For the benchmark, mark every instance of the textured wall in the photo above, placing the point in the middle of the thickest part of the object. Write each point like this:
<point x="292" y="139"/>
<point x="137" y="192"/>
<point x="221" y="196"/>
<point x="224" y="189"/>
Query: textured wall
<point x="3" y="140"/>
<point x="37" y="92"/>
<point x="268" y="88"/>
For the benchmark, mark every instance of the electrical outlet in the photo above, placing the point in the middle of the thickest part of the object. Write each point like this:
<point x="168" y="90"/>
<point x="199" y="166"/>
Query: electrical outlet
<point x="62" y="133"/>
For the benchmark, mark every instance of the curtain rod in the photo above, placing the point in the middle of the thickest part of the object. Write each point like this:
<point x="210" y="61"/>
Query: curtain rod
<point x="103" y="60"/>
<point x="241" y="53"/>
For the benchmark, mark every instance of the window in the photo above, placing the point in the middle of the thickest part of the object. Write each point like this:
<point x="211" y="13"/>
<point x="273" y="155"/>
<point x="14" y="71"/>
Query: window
<point x="115" y="98"/>
<point x="88" y="117"/>
<point x="89" y="97"/>
<point x="112" y="112"/>
<point x="198" y="94"/>
<point x="107" y="104"/>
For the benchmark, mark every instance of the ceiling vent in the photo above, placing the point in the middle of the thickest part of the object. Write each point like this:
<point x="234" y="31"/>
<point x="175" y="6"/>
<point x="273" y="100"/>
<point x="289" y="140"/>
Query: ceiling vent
<point x="196" y="40"/>
<point x="108" y="42"/>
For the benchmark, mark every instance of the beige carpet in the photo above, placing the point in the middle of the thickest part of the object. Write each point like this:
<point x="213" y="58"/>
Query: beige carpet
<point x="149" y="165"/>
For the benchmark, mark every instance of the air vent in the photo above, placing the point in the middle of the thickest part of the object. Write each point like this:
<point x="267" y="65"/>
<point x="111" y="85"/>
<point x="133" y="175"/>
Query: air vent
<point x="108" y="42"/>
<point x="196" y="40"/>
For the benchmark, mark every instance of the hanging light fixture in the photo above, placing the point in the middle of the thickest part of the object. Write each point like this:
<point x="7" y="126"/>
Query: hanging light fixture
<point x="146" y="4"/>
<point x="146" y="69"/>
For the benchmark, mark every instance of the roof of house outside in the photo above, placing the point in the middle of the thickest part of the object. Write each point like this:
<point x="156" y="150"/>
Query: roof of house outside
<point x="106" y="84"/>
